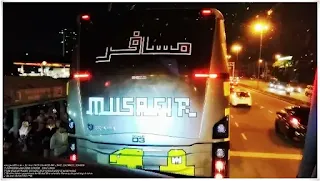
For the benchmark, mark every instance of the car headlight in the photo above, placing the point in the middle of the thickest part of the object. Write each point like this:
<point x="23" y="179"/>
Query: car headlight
<point x="289" y="89"/>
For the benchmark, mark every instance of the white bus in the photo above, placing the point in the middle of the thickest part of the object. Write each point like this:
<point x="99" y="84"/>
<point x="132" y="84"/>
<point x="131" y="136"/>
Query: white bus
<point x="150" y="90"/>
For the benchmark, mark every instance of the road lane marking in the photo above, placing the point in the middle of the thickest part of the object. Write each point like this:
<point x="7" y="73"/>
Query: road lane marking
<point x="231" y="116"/>
<point x="236" y="124"/>
<point x="283" y="156"/>
<point x="261" y="107"/>
<point x="270" y="111"/>
<point x="244" y="136"/>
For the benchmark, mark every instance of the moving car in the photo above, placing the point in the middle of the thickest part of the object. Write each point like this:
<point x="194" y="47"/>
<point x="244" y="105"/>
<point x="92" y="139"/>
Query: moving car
<point x="234" y="81"/>
<point x="130" y="103"/>
<point x="308" y="91"/>
<point x="232" y="87"/>
<point x="292" y="122"/>
<point x="273" y="82"/>
<point x="295" y="86"/>
<point x="281" y="86"/>
<point x="241" y="97"/>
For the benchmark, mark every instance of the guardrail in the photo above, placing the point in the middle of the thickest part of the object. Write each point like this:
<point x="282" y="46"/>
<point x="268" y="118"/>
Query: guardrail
<point x="281" y="97"/>
<point x="263" y="87"/>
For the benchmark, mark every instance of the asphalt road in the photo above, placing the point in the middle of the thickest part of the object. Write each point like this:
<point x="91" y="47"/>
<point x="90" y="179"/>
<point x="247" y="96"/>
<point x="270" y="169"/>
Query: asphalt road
<point x="256" y="151"/>
<point x="264" y="86"/>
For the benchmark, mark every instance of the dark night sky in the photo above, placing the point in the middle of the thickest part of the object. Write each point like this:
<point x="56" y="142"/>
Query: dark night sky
<point x="34" y="27"/>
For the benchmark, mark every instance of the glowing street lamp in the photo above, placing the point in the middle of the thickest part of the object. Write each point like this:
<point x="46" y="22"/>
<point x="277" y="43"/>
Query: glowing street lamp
<point x="260" y="27"/>
<point x="236" y="48"/>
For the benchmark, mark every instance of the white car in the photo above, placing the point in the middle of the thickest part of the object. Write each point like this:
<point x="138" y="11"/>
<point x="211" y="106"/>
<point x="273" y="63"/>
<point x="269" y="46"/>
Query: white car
<point x="241" y="97"/>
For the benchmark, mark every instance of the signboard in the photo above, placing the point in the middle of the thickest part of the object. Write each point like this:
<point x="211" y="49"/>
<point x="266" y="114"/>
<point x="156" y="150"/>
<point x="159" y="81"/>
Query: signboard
<point x="33" y="95"/>
<point x="231" y="67"/>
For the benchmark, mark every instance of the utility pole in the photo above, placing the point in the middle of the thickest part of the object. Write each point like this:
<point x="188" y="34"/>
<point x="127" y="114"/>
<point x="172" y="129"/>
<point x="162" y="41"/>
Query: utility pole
<point x="265" y="70"/>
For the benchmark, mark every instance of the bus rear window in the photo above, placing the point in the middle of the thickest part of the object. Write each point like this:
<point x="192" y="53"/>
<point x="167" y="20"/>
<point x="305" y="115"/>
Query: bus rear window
<point x="153" y="42"/>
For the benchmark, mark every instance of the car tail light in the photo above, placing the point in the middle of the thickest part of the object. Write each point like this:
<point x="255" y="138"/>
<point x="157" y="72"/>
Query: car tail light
<point x="73" y="157"/>
<point x="294" y="122"/>
<point x="206" y="12"/>
<point x="82" y="76"/>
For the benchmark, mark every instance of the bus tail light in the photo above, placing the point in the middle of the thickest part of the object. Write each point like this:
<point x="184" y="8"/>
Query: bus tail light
<point x="206" y="12"/>
<point x="82" y="76"/>
<point x="85" y="17"/>
<point x="73" y="157"/>
<point x="221" y="129"/>
<point x="205" y="73"/>
<point x="218" y="176"/>
<point x="220" y="159"/>
<point x="71" y="127"/>
<point x="72" y="150"/>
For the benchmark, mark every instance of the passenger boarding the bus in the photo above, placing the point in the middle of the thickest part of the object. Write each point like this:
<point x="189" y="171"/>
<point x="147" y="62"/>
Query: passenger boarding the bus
<point x="59" y="141"/>
<point x="23" y="133"/>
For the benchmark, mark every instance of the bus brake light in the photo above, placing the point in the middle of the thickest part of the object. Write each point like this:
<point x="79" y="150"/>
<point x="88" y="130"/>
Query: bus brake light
<point x="206" y="12"/>
<point x="85" y="17"/>
<point x="73" y="157"/>
<point x="82" y="76"/>
<point x="206" y="75"/>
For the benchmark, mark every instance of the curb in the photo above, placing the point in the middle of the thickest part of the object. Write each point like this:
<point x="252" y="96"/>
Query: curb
<point x="283" y="98"/>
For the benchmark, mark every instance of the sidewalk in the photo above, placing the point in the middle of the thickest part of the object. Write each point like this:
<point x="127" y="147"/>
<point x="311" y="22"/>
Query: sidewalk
<point x="294" y="98"/>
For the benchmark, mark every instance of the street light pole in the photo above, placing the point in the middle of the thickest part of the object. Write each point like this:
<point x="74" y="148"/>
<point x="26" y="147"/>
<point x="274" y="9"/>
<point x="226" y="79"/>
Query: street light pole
<point x="237" y="62"/>
<point x="261" y="37"/>
<point x="260" y="52"/>
<point x="258" y="74"/>
<point x="236" y="48"/>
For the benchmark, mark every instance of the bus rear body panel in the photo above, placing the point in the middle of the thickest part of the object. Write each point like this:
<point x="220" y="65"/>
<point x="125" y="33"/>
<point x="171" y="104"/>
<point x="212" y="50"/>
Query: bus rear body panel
<point x="148" y="91"/>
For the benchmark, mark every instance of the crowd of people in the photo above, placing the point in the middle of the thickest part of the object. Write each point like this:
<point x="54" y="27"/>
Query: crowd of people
<point x="43" y="132"/>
